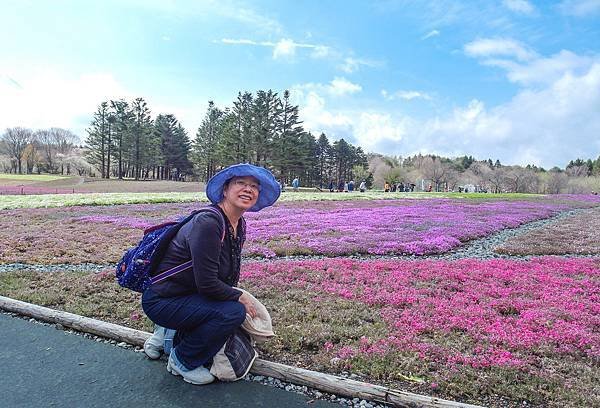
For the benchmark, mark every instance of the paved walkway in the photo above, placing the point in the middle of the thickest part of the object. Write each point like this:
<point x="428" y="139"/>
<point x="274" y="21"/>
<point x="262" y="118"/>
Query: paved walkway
<point x="44" y="367"/>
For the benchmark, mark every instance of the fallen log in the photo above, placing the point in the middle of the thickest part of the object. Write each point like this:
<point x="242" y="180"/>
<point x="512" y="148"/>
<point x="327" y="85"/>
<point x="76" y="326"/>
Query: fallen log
<point x="325" y="382"/>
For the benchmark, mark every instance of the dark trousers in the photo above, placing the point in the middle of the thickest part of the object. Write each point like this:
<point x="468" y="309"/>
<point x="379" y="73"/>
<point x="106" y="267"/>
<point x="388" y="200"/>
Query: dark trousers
<point x="203" y="325"/>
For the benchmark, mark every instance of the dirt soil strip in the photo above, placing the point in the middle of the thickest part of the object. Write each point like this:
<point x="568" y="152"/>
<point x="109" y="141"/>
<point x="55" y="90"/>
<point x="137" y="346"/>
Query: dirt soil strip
<point x="324" y="382"/>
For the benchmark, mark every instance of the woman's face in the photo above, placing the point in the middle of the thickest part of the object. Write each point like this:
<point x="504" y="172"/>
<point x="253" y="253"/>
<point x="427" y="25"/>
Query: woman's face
<point x="242" y="192"/>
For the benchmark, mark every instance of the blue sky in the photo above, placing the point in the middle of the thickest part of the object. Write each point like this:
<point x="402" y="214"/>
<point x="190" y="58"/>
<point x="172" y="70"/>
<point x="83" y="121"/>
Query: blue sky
<point x="516" y="80"/>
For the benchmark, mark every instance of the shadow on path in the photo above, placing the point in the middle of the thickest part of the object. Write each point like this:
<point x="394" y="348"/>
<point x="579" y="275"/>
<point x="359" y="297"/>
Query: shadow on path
<point x="45" y="367"/>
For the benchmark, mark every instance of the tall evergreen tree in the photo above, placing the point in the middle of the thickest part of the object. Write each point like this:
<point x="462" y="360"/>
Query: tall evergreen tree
<point x="241" y="142"/>
<point x="287" y="148"/>
<point x="121" y="128"/>
<point x="141" y="129"/>
<point x="97" y="141"/>
<point x="205" y="143"/>
<point x="266" y="111"/>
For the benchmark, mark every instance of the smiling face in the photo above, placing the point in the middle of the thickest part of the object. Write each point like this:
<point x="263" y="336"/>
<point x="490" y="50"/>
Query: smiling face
<point x="241" y="192"/>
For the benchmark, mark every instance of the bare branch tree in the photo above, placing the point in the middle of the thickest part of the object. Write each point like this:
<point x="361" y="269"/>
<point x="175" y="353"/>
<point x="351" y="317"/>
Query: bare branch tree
<point x="557" y="182"/>
<point x="64" y="142"/>
<point x="15" y="140"/>
<point x="496" y="179"/>
<point x="433" y="169"/>
<point x="48" y="149"/>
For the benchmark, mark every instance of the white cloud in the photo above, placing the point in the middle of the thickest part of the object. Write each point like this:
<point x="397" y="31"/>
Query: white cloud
<point x="341" y="86"/>
<point x="547" y="70"/>
<point x="526" y="67"/>
<point x="317" y="118"/>
<point x="321" y="51"/>
<point x="337" y="87"/>
<point x="580" y="8"/>
<point x="490" y="47"/>
<point x="373" y="129"/>
<point x="547" y="125"/>
<point x="284" y="48"/>
<point x="352" y="64"/>
<point x="519" y="6"/>
<point x="406" y="95"/>
<point x="42" y="99"/>
<point x="46" y="99"/>
<point x="430" y="34"/>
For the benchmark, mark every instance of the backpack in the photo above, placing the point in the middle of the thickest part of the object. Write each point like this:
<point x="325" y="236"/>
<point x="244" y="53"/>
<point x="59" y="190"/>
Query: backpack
<point x="134" y="269"/>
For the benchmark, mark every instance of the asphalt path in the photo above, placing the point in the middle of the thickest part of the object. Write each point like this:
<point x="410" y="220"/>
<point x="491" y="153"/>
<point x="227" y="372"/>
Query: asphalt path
<point x="41" y="366"/>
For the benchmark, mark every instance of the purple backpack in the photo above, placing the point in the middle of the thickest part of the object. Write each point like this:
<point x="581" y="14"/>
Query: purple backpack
<point x="134" y="269"/>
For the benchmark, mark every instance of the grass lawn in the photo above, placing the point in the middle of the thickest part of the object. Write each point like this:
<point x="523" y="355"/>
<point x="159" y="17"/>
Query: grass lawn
<point x="65" y="200"/>
<point x="31" y="177"/>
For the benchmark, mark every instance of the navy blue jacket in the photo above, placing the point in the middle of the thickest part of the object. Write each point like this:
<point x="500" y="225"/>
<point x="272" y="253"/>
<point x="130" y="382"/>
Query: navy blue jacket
<point x="216" y="265"/>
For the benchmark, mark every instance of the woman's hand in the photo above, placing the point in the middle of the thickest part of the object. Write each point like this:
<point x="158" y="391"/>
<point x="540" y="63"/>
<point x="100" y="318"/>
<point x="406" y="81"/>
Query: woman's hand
<point x="248" y="304"/>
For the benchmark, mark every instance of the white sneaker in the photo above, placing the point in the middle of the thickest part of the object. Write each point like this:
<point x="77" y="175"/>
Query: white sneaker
<point x="197" y="376"/>
<point x="153" y="346"/>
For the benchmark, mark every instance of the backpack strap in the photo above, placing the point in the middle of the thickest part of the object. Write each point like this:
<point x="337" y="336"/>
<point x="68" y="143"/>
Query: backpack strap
<point x="186" y="265"/>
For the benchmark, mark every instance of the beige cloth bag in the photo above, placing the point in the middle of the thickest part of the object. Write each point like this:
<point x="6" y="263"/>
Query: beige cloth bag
<point x="260" y="328"/>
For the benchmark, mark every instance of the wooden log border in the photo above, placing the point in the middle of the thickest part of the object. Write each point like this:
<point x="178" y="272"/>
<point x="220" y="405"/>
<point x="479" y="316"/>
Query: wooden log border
<point x="325" y="382"/>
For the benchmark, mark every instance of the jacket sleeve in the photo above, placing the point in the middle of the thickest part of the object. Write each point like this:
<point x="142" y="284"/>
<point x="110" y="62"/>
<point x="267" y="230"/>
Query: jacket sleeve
<point x="204" y="242"/>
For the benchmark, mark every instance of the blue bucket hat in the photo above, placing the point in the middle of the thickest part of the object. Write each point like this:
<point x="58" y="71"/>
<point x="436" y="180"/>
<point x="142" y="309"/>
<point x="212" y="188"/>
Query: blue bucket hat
<point x="269" y="187"/>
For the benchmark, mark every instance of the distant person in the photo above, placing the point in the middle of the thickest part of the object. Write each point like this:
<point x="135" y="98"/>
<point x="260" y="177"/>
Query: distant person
<point x="351" y="186"/>
<point x="331" y="186"/>
<point x="362" y="187"/>
<point x="412" y="187"/>
<point x="386" y="187"/>
<point x="429" y="188"/>
<point x="341" y="186"/>
<point x="200" y="302"/>
<point x="295" y="184"/>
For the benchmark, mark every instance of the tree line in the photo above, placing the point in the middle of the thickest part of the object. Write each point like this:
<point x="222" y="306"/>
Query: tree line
<point x="51" y="150"/>
<point x="445" y="174"/>
<point x="262" y="129"/>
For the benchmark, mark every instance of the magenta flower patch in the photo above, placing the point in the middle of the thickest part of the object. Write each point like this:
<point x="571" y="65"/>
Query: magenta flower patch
<point x="497" y="312"/>
<point x="416" y="227"/>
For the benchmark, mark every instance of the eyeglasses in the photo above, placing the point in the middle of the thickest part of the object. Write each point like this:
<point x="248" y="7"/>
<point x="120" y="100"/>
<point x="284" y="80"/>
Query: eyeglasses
<point x="252" y="186"/>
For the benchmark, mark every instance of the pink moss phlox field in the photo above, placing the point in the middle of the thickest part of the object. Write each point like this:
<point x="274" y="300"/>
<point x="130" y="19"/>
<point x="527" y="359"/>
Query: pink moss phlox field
<point x="127" y="222"/>
<point x="468" y="312"/>
<point x="416" y="227"/>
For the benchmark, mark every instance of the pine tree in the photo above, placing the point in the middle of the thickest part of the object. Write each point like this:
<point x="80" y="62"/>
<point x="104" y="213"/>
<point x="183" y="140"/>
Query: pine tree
<point x="121" y="129"/>
<point x="141" y="129"/>
<point x="205" y="144"/>
<point x="266" y="113"/>
<point x="323" y="154"/>
<point x="287" y="149"/>
<point x="241" y="142"/>
<point x="97" y="141"/>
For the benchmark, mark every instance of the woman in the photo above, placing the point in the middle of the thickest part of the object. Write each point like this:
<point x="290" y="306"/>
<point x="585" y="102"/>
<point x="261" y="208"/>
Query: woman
<point x="200" y="303"/>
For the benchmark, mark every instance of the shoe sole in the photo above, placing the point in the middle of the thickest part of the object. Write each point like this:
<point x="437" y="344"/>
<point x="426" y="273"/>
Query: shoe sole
<point x="176" y="374"/>
<point x="153" y="356"/>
